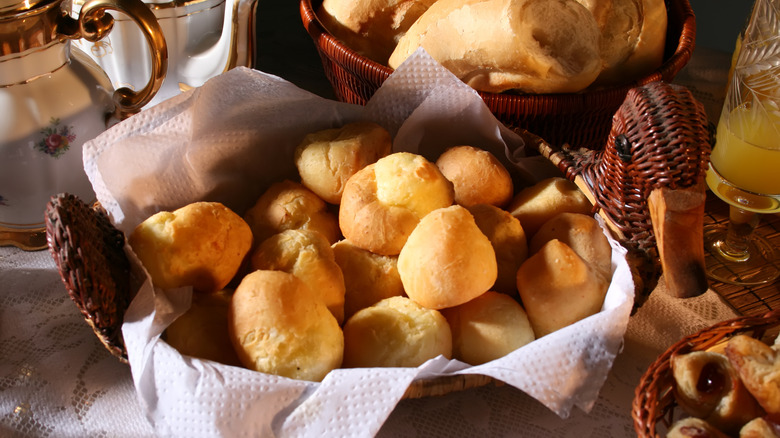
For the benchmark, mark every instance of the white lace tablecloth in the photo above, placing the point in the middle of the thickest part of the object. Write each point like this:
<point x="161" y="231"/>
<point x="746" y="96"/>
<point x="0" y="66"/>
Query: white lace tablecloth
<point x="57" y="380"/>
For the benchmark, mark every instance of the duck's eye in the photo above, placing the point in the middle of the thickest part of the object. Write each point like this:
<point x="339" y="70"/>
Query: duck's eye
<point x="623" y="148"/>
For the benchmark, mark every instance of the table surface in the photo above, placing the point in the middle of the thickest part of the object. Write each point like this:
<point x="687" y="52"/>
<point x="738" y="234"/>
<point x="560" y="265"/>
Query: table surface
<point x="42" y="334"/>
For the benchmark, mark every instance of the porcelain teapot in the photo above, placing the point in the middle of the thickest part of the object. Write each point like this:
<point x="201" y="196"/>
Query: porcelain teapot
<point x="54" y="98"/>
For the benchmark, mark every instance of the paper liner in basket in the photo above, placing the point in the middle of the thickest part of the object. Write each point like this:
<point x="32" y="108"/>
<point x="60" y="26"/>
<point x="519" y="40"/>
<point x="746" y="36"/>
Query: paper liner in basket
<point x="230" y="139"/>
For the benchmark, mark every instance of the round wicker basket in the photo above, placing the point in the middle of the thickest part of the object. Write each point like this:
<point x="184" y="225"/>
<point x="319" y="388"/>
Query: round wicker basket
<point x="654" y="408"/>
<point x="579" y="119"/>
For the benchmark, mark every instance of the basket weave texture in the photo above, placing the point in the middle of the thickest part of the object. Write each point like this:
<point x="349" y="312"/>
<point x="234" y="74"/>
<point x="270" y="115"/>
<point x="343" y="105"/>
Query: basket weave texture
<point x="654" y="408"/>
<point x="579" y="119"/>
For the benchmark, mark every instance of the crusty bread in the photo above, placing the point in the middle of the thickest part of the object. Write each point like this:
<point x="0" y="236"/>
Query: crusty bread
<point x="477" y="176"/>
<point x="447" y="260"/>
<point x="202" y="245"/>
<point x="534" y="205"/>
<point x="279" y="326"/>
<point x="536" y="46"/>
<point x="758" y="365"/>
<point x="395" y="332"/>
<point x="326" y="159"/>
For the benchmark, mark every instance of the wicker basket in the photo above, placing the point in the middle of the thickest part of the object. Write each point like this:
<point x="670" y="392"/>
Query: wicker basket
<point x="579" y="119"/>
<point x="654" y="408"/>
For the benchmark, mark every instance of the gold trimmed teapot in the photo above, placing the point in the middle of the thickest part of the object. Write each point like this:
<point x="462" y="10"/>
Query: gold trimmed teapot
<point x="54" y="98"/>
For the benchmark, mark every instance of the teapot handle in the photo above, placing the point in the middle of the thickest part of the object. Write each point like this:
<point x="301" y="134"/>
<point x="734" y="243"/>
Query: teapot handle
<point x="94" y="24"/>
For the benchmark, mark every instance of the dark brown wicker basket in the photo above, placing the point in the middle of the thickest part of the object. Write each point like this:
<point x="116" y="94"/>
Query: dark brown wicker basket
<point x="579" y="119"/>
<point x="654" y="408"/>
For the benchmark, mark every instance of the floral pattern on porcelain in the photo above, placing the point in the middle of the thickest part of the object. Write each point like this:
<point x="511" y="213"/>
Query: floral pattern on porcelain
<point x="57" y="139"/>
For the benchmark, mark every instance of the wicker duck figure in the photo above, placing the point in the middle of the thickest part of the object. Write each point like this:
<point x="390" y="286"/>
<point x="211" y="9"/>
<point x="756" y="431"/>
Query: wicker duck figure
<point x="660" y="139"/>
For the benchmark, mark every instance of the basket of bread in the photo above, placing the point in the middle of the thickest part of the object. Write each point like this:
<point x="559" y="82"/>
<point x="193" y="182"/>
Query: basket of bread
<point x="269" y="261"/>
<point x="559" y="69"/>
<point x="719" y="382"/>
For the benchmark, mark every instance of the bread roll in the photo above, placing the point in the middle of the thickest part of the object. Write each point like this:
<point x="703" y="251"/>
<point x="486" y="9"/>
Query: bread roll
<point x="382" y="203"/>
<point x="280" y="326"/>
<point x="371" y="27"/>
<point x="558" y="288"/>
<point x="760" y="427"/>
<point x="758" y="366"/>
<point x="509" y="242"/>
<point x="487" y="328"/>
<point x="307" y="255"/>
<point x="477" y="176"/>
<point x="536" y="204"/>
<point x="368" y="277"/>
<point x="395" y="332"/>
<point x="288" y="205"/>
<point x="583" y="234"/>
<point x="202" y="331"/>
<point x="447" y="260"/>
<point x="535" y="46"/>
<point x="202" y="245"/>
<point x="326" y="159"/>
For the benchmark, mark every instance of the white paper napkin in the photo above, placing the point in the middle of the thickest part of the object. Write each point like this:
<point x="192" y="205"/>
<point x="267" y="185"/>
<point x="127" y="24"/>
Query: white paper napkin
<point x="229" y="140"/>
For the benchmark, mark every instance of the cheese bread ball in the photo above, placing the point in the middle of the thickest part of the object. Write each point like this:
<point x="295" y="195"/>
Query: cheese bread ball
<point x="487" y="328"/>
<point x="477" y="176"/>
<point x="447" y="260"/>
<point x="280" y="326"/>
<point x="536" y="204"/>
<point x="368" y="277"/>
<point x="395" y="332"/>
<point x="382" y="203"/>
<point x="326" y="159"/>
<point x="509" y="242"/>
<point x="288" y="205"/>
<point x="202" y="331"/>
<point x="201" y="245"/>
<point x="558" y="288"/>
<point x="307" y="255"/>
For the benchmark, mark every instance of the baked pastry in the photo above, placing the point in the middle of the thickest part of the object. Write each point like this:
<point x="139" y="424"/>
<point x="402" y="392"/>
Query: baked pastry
<point x="279" y="326"/>
<point x="583" y="234"/>
<point x="509" y="243"/>
<point x="368" y="277"/>
<point x="202" y="331"/>
<point x="708" y="387"/>
<point x="477" y="176"/>
<point x="382" y="203"/>
<point x="692" y="427"/>
<point x="395" y="332"/>
<point x="487" y="328"/>
<point x="535" y="46"/>
<point x="760" y="427"/>
<point x="758" y="366"/>
<point x="371" y="27"/>
<point x="202" y="245"/>
<point x="326" y="159"/>
<point x="447" y="260"/>
<point x="552" y="299"/>
<point x="288" y="205"/>
<point x="307" y="255"/>
<point x="536" y="204"/>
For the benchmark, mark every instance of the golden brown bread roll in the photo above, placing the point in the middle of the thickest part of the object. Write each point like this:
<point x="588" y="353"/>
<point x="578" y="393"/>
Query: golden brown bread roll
<point x="307" y="255"/>
<point x="477" y="176"/>
<point x="536" y="46"/>
<point x="583" y="234"/>
<point x="708" y="387"/>
<point x="536" y="204"/>
<point x="758" y="366"/>
<point x="202" y="245"/>
<point x="280" y="326"/>
<point x="395" y="332"/>
<point x="487" y="328"/>
<point x="368" y="277"/>
<point x="202" y="331"/>
<point x="509" y="242"/>
<point x="447" y="260"/>
<point x="558" y="288"/>
<point x="371" y="27"/>
<point x="326" y="159"/>
<point x="288" y="205"/>
<point x="382" y="203"/>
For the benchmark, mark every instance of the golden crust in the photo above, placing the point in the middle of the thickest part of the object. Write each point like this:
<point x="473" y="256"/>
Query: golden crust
<point x="758" y="366"/>
<point x="477" y="176"/>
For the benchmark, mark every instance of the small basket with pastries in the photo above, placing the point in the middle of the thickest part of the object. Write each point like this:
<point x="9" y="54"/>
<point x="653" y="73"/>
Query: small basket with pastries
<point x="722" y="381"/>
<point x="559" y="69"/>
